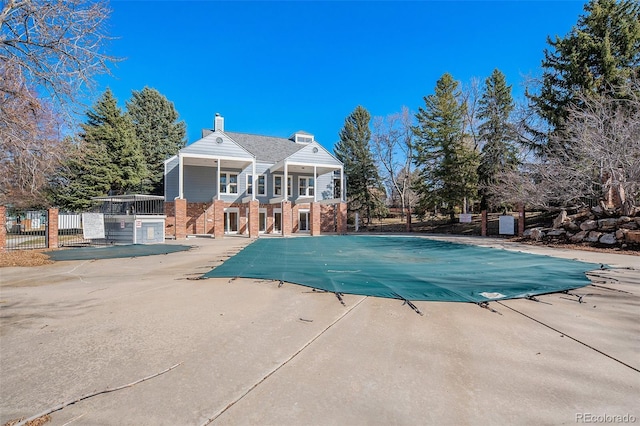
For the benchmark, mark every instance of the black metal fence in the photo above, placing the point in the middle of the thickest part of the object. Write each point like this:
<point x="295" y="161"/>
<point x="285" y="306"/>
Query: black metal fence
<point x="26" y="229"/>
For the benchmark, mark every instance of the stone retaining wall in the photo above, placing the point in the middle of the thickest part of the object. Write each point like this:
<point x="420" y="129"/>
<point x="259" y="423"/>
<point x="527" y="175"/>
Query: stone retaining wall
<point x="596" y="226"/>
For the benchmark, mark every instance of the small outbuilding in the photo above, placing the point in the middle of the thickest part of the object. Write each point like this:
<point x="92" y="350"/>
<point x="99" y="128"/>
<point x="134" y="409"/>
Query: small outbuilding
<point x="132" y="219"/>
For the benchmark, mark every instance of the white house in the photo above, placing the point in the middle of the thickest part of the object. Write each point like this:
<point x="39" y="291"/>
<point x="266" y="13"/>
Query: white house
<point x="238" y="183"/>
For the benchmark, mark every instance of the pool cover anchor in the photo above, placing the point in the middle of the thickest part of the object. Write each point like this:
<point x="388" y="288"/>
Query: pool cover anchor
<point x="486" y="306"/>
<point x="339" y="296"/>
<point x="412" y="306"/>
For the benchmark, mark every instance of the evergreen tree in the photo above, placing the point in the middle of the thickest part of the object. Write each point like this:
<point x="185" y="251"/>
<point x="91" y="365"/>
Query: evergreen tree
<point x="496" y="132"/>
<point x="159" y="132"/>
<point x="107" y="160"/>
<point x="87" y="173"/>
<point x="363" y="182"/>
<point x="107" y="125"/>
<point x="598" y="56"/>
<point x="444" y="157"/>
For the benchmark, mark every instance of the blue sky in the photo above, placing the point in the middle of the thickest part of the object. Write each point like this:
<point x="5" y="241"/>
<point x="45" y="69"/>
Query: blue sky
<point x="273" y="68"/>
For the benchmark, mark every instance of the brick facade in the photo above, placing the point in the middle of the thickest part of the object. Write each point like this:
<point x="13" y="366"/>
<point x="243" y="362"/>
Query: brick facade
<point x="180" y="206"/>
<point x="184" y="218"/>
<point x="52" y="231"/>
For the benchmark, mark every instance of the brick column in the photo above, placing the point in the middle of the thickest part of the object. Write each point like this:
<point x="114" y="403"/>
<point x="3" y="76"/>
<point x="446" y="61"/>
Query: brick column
<point x="3" y="228"/>
<point x="314" y="218"/>
<point x="287" y="218"/>
<point x="254" y="218"/>
<point x="342" y="218"/>
<point x="483" y="226"/>
<point x="180" y="207"/>
<point x="521" y="219"/>
<point x="218" y="219"/>
<point x="52" y="221"/>
<point x="169" y="224"/>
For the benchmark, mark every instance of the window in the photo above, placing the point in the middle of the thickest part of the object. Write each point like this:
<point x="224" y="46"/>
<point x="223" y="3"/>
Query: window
<point x="277" y="185"/>
<point x="336" y="187"/>
<point x="305" y="187"/>
<point x="262" y="185"/>
<point x="228" y="183"/>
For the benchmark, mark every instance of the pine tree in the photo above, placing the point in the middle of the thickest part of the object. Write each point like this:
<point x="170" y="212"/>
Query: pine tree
<point x="87" y="173"/>
<point x="107" y="125"/>
<point x="107" y="159"/>
<point x="496" y="131"/>
<point x="159" y="132"/>
<point x="444" y="157"/>
<point x="598" y="56"/>
<point x="363" y="181"/>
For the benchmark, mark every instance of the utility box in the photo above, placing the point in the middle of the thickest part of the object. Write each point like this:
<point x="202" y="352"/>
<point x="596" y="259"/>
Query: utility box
<point x="506" y="225"/>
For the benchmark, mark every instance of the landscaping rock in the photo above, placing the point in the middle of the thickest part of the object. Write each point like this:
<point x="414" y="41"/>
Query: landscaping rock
<point x="537" y="234"/>
<point x="572" y="226"/>
<point x="579" y="237"/>
<point x="608" y="239"/>
<point x="607" y="224"/>
<point x="556" y="232"/>
<point x="593" y="236"/>
<point x="632" y="237"/>
<point x="560" y="220"/>
<point x="588" y="225"/>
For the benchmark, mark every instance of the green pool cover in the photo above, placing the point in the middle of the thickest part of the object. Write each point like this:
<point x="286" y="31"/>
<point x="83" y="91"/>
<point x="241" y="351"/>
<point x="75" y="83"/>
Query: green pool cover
<point x="409" y="268"/>
<point x="115" y="251"/>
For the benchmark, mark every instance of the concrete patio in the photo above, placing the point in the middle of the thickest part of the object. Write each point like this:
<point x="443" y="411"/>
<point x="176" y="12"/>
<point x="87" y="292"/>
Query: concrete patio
<point x="254" y="352"/>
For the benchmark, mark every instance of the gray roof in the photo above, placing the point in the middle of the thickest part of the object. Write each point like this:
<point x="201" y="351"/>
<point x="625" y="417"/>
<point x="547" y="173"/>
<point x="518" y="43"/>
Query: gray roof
<point x="267" y="149"/>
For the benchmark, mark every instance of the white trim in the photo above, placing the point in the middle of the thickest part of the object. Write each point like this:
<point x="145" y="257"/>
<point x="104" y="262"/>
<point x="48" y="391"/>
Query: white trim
<point x="278" y="211"/>
<point x="306" y="212"/>
<point x="281" y="184"/>
<point x="227" y="228"/>
<point x="227" y="178"/>
<point x="266" y="221"/>
<point x="307" y="186"/>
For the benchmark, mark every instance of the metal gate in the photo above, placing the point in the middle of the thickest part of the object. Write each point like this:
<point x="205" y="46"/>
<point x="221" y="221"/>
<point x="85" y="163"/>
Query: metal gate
<point x="26" y="229"/>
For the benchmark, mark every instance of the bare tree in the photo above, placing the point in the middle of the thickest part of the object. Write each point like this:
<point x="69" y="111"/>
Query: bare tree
<point x="599" y="158"/>
<point x="50" y="51"/>
<point x="30" y="144"/>
<point x="393" y="149"/>
<point x="56" y="44"/>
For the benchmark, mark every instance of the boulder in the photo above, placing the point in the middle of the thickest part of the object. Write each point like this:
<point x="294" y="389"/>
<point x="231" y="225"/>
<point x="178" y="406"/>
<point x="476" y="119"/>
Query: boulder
<point x="537" y="234"/>
<point x="630" y="225"/>
<point x="560" y="220"/>
<point x="624" y="219"/>
<point x="632" y="237"/>
<point x="578" y="237"/>
<point x="608" y="239"/>
<point x="620" y="233"/>
<point x="556" y="232"/>
<point x="588" y="225"/>
<point x="593" y="236"/>
<point x="607" y="224"/>
<point x="571" y="226"/>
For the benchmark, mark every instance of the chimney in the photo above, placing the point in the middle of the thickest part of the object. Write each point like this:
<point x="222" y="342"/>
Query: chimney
<point x="218" y="122"/>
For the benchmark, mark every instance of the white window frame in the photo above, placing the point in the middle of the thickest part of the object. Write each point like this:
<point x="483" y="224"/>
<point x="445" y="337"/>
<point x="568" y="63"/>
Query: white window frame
<point x="250" y="185"/>
<point x="307" y="214"/>
<point x="309" y="186"/>
<point x="262" y="224"/>
<point x="228" y="185"/>
<point x="289" y="186"/>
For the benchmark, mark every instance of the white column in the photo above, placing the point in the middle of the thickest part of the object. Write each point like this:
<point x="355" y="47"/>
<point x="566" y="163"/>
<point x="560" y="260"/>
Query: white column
<point x="343" y="187"/>
<point x="254" y="184"/>
<point x="315" y="178"/>
<point x="180" y="177"/>
<point x="218" y="177"/>
<point x="286" y="183"/>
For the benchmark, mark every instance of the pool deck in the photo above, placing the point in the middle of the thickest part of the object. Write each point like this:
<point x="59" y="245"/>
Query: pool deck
<point x="253" y="352"/>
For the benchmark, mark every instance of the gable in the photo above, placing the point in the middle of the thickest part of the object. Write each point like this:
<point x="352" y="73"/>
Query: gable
<point x="217" y="144"/>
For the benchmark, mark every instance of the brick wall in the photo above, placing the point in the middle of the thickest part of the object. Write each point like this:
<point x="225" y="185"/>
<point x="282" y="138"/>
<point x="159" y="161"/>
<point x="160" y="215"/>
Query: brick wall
<point x="314" y="218"/>
<point x="342" y="218"/>
<point x="254" y="223"/>
<point x="180" y="206"/>
<point x="218" y="218"/>
<point x="327" y="218"/>
<point x="287" y="218"/>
